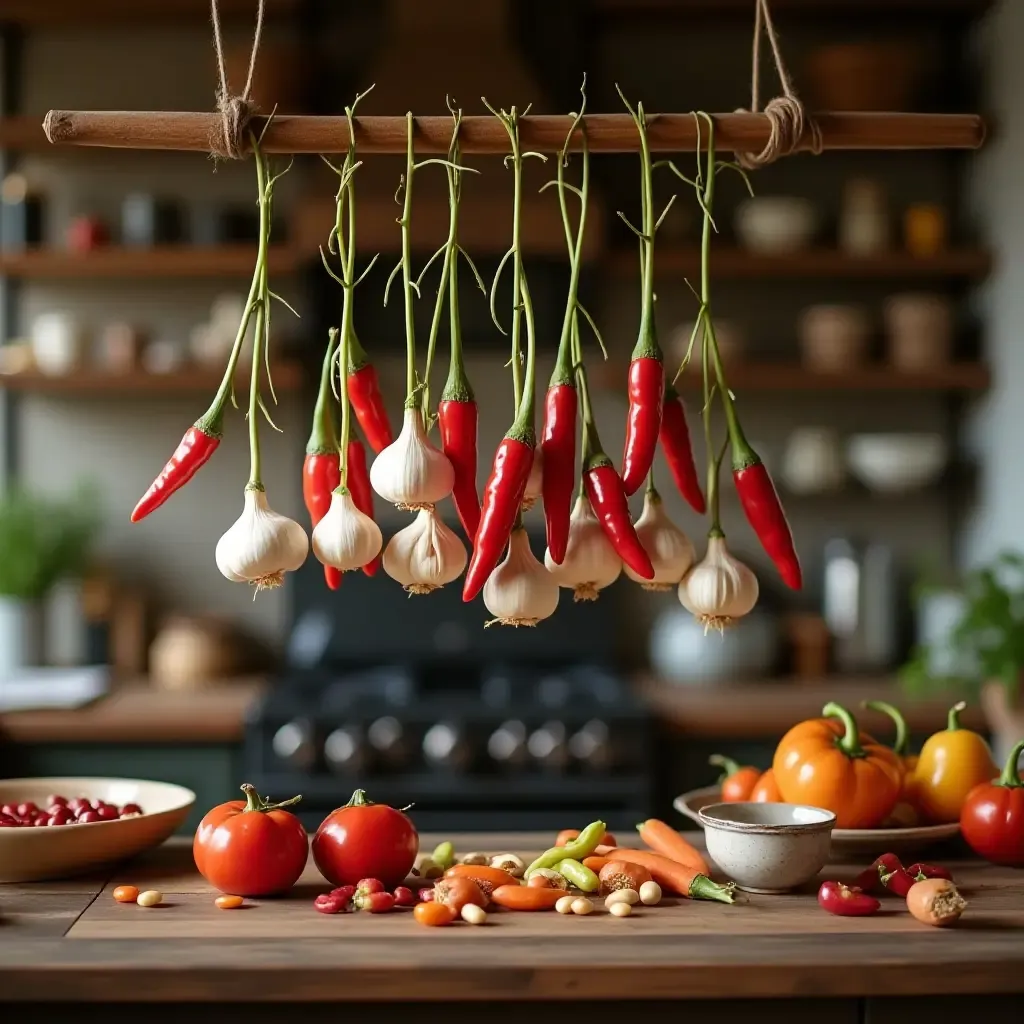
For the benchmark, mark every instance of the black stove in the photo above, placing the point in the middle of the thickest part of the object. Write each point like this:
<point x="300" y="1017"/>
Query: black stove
<point x="413" y="700"/>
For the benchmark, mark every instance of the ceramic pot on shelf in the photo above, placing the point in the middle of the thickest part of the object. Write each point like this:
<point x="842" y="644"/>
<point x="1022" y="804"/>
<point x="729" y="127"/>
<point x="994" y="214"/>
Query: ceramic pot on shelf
<point x="813" y="461"/>
<point x="21" y="635"/>
<point x="864" y="219"/>
<point x="919" y="330"/>
<point x="834" y="338"/>
<point x="192" y="654"/>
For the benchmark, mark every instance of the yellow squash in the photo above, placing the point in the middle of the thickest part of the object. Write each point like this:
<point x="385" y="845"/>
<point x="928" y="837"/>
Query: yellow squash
<point x="951" y="764"/>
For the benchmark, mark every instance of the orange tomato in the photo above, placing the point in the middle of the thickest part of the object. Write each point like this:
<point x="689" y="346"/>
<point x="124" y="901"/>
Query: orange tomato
<point x="737" y="782"/>
<point x="434" y="915"/>
<point x="830" y="764"/>
<point x="766" y="791"/>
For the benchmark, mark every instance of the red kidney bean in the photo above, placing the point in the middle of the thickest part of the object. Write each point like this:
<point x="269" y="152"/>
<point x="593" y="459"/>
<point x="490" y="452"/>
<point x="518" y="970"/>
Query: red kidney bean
<point x="9" y="821"/>
<point x="27" y="809"/>
<point x="79" y="803"/>
<point x="9" y="809"/>
<point x="107" y="813"/>
<point x="87" y="817"/>
<point x="130" y="809"/>
<point x="56" y="800"/>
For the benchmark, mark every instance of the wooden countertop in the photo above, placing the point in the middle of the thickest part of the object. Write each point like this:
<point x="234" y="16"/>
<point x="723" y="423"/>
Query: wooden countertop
<point x="137" y="712"/>
<point x="71" y="941"/>
<point x="762" y="710"/>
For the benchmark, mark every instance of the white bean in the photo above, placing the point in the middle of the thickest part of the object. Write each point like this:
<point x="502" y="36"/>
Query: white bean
<point x="582" y="906"/>
<point x="620" y="909"/>
<point x="621" y="896"/>
<point x="650" y="894"/>
<point x="150" y="898"/>
<point x="564" y="905"/>
<point x="472" y="914"/>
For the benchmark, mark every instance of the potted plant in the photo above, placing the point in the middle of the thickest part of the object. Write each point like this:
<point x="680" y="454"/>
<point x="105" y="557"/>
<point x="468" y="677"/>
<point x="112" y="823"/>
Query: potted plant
<point x="42" y="540"/>
<point x="981" y="648"/>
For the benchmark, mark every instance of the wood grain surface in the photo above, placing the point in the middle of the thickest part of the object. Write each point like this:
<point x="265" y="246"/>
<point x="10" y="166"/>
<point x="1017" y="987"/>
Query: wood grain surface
<point x="72" y="941"/>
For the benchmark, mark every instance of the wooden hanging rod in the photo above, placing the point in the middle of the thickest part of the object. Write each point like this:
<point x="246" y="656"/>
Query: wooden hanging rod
<point x="607" y="133"/>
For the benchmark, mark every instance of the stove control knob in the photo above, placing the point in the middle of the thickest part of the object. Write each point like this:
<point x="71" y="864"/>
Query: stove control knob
<point x="547" y="746"/>
<point x="387" y="738"/>
<point x="507" y="744"/>
<point x="591" y="746"/>
<point x="444" y="746"/>
<point x="293" y="744"/>
<point x="345" y="752"/>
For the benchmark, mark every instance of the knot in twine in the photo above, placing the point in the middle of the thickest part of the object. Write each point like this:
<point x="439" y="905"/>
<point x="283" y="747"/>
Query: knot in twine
<point x="236" y="111"/>
<point x="787" y="118"/>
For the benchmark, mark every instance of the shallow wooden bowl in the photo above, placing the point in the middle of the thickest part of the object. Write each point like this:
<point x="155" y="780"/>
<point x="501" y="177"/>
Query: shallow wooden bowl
<point x="60" y="851"/>
<point x="847" y="843"/>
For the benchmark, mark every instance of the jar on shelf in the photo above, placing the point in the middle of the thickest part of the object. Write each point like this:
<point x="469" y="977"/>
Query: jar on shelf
<point x="919" y="330"/>
<point x="925" y="229"/>
<point x="864" y="219"/>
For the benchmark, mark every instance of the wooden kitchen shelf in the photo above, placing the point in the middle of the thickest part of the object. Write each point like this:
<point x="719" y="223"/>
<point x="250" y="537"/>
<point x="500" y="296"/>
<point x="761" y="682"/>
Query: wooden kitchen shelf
<point x="171" y="261"/>
<point x="287" y="377"/>
<point x="957" y="377"/>
<point x="733" y="262"/>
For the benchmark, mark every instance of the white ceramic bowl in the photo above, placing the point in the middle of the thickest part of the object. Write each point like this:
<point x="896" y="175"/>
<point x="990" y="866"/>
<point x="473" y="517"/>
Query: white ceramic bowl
<point x="775" y="224"/>
<point x="768" y="848"/>
<point x="896" y="463"/>
<point x="61" y="851"/>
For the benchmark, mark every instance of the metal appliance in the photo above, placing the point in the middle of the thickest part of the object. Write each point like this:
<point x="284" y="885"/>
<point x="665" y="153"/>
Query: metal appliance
<point x="415" y="701"/>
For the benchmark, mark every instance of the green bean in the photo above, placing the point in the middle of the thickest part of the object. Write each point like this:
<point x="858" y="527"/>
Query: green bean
<point x="443" y="856"/>
<point x="577" y="849"/>
<point x="579" y="875"/>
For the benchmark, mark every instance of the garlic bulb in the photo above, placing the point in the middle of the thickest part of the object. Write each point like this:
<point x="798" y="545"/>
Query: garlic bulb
<point x="261" y="545"/>
<point x="346" y="538"/>
<point x="425" y="555"/>
<point x="534" y="481"/>
<point x="411" y="472"/>
<point x="670" y="549"/>
<point x="520" y="591"/>
<point x="719" y="589"/>
<point x="590" y="562"/>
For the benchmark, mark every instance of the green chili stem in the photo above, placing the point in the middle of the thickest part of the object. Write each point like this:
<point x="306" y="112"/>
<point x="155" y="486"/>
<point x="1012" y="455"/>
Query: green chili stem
<point x="254" y="802"/>
<point x="1011" y="775"/>
<point x="322" y="440"/>
<point x="255" y="480"/>
<point x="647" y="199"/>
<point x="512" y="127"/>
<point x="849" y="742"/>
<point x="727" y="764"/>
<point x="526" y="416"/>
<point x="410" y="330"/>
<point x="345" y="341"/>
<point x="900" y="743"/>
<point x="953" y="721"/>
<point x="591" y="444"/>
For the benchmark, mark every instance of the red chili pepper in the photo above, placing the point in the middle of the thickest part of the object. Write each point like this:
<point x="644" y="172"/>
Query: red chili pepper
<point x="764" y="512"/>
<point x="846" y="901"/>
<point x="992" y="819"/>
<point x="503" y="495"/>
<point x="675" y="443"/>
<point x="870" y="878"/>
<point x="320" y="476"/>
<point x="606" y="494"/>
<point x="898" y="881"/>
<point x="360" y="489"/>
<point x="457" y="423"/>
<point x="558" y="447"/>
<point x="919" y="872"/>
<point x="367" y="401"/>
<point x="193" y="452"/>
<point x="646" y="389"/>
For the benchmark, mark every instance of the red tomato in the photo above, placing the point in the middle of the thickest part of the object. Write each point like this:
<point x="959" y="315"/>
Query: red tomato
<point x="992" y="818"/>
<point x="363" y="840"/>
<point x="251" y="847"/>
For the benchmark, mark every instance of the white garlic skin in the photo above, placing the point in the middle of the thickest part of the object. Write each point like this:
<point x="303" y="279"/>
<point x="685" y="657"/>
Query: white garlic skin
<point x="520" y="591"/>
<point x="719" y="589"/>
<point x="535" y="481"/>
<point x="590" y="562"/>
<point x="412" y="471"/>
<point x="346" y="538"/>
<point x="669" y="548"/>
<point x="261" y="545"/>
<point x="425" y="555"/>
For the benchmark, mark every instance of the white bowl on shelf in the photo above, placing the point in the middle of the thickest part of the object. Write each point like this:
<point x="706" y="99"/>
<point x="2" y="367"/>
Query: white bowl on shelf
<point x="897" y="463"/>
<point x="775" y="224"/>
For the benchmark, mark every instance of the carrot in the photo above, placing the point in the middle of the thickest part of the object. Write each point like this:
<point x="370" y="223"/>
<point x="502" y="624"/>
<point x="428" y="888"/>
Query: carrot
<point x="526" y="897"/>
<point x="595" y="863"/>
<point x="482" y="873"/>
<point x="664" y="839"/>
<point x="682" y="879"/>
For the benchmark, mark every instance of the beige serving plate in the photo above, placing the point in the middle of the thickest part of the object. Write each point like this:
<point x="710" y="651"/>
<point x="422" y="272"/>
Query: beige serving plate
<point x="60" y="851"/>
<point x="859" y="843"/>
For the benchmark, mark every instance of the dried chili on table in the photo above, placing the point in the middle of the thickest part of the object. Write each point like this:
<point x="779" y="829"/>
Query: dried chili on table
<point x="919" y="872"/>
<point x="846" y="901"/>
<point x="678" y="449"/>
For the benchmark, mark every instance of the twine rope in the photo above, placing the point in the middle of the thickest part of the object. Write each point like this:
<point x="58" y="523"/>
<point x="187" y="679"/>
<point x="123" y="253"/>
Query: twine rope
<point x="236" y="111"/>
<point x="786" y="115"/>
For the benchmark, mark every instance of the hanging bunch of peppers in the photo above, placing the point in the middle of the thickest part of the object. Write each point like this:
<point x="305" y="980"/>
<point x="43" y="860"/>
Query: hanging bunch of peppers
<point x="335" y="482"/>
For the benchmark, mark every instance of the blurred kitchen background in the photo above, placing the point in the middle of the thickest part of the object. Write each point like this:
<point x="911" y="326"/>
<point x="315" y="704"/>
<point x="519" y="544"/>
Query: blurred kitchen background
<point x="870" y="304"/>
